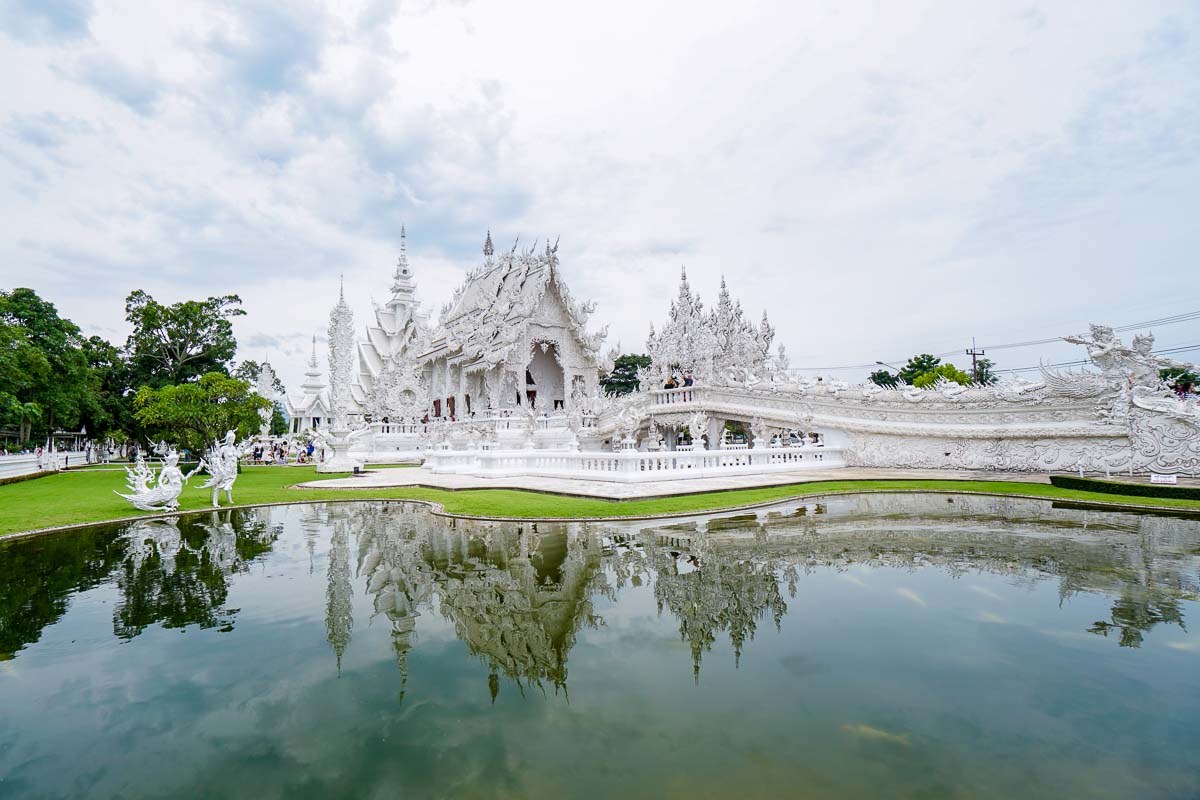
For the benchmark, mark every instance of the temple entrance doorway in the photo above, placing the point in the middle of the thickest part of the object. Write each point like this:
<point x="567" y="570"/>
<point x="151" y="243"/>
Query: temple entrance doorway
<point x="544" y="377"/>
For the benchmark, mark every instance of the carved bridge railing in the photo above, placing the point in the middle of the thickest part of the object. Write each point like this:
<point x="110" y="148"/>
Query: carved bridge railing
<point x="631" y="466"/>
<point x="931" y="415"/>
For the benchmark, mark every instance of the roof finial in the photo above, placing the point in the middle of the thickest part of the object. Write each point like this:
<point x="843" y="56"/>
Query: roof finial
<point x="402" y="271"/>
<point x="488" y="250"/>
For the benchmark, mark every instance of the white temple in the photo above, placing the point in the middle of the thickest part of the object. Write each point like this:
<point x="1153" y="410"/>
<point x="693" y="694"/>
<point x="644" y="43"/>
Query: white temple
<point x="506" y="383"/>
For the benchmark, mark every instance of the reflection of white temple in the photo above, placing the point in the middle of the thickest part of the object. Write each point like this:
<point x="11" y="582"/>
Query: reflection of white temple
<point x="517" y="597"/>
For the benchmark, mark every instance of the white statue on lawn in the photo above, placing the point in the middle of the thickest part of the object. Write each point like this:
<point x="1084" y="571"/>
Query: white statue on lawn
<point x="221" y="461"/>
<point x="161" y="495"/>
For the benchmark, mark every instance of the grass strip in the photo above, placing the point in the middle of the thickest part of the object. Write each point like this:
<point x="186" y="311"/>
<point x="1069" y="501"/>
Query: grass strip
<point x="87" y="496"/>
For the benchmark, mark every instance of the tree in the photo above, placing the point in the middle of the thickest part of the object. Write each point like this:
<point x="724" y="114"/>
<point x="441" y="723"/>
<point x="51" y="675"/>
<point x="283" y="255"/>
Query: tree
<point x="948" y="371"/>
<point x="178" y="343"/>
<point x="981" y="372"/>
<point x="624" y="376"/>
<point x="918" y="366"/>
<point x="108" y="410"/>
<point x="249" y="370"/>
<point x="43" y="369"/>
<point x="279" y="422"/>
<point x="193" y="415"/>
<point x="881" y="377"/>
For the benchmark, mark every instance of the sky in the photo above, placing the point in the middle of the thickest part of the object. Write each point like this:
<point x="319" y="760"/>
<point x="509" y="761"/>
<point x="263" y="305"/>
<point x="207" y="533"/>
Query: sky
<point x="882" y="178"/>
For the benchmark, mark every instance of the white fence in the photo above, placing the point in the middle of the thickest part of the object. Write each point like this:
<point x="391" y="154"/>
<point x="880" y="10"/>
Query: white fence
<point x="629" y="466"/>
<point x="12" y="466"/>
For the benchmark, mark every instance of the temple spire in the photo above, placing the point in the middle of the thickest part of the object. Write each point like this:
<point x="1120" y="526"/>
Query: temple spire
<point x="402" y="277"/>
<point x="488" y="249"/>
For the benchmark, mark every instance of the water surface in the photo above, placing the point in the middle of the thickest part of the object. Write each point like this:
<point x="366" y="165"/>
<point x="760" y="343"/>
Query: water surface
<point x="879" y="645"/>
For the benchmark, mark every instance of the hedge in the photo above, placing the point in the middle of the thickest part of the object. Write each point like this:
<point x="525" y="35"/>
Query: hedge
<point x="1127" y="489"/>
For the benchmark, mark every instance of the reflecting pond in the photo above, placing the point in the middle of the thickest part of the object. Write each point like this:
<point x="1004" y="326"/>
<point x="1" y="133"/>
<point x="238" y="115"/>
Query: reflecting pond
<point x="897" y="645"/>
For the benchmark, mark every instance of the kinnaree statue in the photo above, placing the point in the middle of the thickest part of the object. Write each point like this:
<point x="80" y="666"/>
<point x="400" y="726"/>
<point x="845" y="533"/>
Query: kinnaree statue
<point x="146" y="494"/>
<point x="221" y="461"/>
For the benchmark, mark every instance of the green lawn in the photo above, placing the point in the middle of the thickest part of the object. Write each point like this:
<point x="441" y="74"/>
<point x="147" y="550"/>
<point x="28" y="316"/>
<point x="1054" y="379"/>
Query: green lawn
<point x="87" y="496"/>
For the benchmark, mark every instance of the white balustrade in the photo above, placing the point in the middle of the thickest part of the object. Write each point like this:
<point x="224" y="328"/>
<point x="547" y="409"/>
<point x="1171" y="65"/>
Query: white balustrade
<point x="673" y="397"/>
<point x="12" y="466"/>
<point x="631" y="465"/>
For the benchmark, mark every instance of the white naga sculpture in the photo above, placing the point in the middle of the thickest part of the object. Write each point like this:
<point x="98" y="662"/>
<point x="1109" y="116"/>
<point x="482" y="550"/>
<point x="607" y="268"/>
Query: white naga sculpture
<point x="147" y="494"/>
<point x="221" y="461"/>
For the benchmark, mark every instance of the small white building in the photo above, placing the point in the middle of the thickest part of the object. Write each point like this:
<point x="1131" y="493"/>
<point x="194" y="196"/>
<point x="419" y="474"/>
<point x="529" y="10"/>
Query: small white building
<point x="310" y="408"/>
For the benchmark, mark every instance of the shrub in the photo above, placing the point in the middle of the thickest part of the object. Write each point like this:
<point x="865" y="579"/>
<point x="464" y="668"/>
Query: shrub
<point x="1127" y="489"/>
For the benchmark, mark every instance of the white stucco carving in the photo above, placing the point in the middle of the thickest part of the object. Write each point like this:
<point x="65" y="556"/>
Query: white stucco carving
<point x="221" y="461"/>
<point x="147" y="493"/>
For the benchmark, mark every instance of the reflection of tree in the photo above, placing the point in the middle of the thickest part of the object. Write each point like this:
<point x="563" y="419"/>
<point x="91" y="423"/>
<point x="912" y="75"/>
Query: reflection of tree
<point x="177" y="573"/>
<point x="38" y="577"/>
<point x="1133" y="616"/>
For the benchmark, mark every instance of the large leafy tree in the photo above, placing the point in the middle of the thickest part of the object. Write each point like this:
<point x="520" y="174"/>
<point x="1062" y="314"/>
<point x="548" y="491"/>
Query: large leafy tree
<point x="195" y="414"/>
<point x="279" y="421"/>
<point x="249" y="370"/>
<point x="981" y="372"/>
<point x="881" y="377"/>
<point x="624" y="376"/>
<point x="179" y="343"/>
<point x="43" y="368"/>
<point x="918" y="366"/>
<point x="947" y="371"/>
<point x="109" y="407"/>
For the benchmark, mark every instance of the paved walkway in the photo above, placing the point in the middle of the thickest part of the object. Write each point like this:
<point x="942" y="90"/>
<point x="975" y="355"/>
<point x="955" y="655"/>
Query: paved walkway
<point x="390" y="478"/>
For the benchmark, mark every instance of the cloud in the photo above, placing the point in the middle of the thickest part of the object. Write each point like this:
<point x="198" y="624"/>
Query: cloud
<point x="50" y="19"/>
<point x="109" y="75"/>
<point x="882" y="181"/>
<point x="912" y="597"/>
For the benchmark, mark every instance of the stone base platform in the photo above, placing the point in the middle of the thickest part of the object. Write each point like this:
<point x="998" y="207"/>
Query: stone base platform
<point x="392" y="478"/>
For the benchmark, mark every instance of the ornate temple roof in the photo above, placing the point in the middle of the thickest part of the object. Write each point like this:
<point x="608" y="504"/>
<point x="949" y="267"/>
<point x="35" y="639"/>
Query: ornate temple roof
<point x="488" y="315"/>
<point x="313" y="400"/>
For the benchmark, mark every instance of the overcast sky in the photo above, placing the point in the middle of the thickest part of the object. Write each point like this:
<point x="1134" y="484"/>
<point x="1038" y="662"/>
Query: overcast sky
<point x="883" y="178"/>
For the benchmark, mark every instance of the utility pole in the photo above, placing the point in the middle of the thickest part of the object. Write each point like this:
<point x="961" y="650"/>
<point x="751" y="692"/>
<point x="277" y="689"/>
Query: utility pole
<point x="973" y="353"/>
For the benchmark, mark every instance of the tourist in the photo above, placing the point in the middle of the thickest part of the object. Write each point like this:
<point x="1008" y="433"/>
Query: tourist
<point x="687" y="378"/>
<point x="671" y="382"/>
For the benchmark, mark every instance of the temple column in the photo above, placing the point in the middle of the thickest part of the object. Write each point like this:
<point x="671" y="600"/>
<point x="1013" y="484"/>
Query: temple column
<point x="715" y="427"/>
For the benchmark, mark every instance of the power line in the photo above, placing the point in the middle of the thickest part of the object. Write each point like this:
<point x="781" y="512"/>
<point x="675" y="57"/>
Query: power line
<point x="1165" y="351"/>
<point x="1186" y="317"/>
